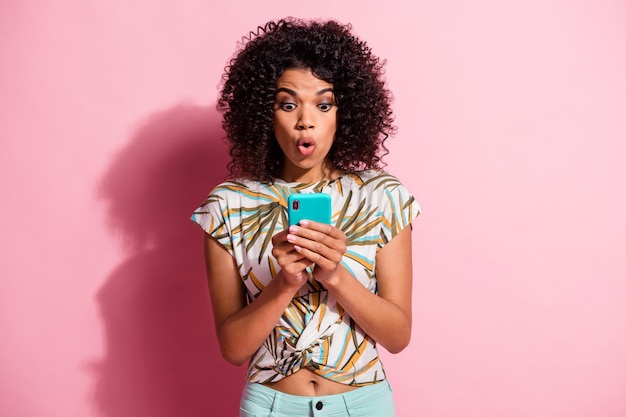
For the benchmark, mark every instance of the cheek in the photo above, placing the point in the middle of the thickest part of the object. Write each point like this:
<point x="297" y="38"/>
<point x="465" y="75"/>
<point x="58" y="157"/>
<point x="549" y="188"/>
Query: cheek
<point x="332" y="128"/>
<point x="333" y="123"/>
<point x="279" y="132"/>
<point x="281" y="136"/>
<point x="280" y="124"/>
<point x="277" y="125"/>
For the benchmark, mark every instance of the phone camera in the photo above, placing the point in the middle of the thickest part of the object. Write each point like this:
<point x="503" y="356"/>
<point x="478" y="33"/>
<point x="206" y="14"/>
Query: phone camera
<point x="295" y="204"/>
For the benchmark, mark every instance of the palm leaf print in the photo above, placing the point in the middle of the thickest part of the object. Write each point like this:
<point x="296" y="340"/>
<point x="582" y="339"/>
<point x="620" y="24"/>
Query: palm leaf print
<point x="314" y="331"/>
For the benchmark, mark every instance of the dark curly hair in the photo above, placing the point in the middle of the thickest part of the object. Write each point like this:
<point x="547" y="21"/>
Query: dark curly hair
<point x="332" y="53"/>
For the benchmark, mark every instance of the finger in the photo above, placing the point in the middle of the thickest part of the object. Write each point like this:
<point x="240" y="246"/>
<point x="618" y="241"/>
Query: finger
<point x="324" y="228"/>
<point x="280" y="237"/>
<point x="297" y="267"/>
<point x="317" y="252"/>
<point x="318" y="259"/>
<point x="318" y="242"/>
<point x="286" y="254"/>
<point x="328" y="235"/>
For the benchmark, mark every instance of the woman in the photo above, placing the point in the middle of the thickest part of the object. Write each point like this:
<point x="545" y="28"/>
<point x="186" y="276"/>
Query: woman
<point x="306" y="110"/>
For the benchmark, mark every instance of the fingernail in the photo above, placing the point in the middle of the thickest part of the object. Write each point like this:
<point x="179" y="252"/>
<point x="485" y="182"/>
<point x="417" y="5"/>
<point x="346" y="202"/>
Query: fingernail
<point x="291" y="238"/>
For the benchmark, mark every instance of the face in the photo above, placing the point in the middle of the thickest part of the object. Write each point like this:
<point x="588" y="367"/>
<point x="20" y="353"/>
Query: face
<point x="305" y="122"/>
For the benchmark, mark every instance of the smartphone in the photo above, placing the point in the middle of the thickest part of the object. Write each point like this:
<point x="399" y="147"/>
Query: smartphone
<point x="313" y="206"/>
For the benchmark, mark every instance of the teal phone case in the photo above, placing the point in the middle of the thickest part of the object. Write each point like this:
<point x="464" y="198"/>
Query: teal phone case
<point x="314" y="206"/>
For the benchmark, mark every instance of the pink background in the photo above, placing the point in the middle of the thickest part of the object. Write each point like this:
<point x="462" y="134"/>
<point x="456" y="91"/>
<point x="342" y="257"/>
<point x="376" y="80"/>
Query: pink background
<point x="512" y="135"/>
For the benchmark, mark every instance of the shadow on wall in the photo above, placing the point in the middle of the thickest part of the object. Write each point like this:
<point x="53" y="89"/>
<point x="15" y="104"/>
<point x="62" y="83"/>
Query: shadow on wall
<point x="162" y="358"/>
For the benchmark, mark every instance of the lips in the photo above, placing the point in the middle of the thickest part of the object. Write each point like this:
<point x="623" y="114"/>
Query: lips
<point x="306" y="146"/>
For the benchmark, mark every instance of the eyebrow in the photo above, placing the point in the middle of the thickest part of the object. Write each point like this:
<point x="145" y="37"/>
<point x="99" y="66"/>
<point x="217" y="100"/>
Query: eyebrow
<point x="293" y="93"/>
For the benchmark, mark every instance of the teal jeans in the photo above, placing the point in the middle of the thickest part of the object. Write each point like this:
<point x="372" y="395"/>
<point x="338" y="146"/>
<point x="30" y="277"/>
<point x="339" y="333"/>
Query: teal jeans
<point x="369" y="401"/>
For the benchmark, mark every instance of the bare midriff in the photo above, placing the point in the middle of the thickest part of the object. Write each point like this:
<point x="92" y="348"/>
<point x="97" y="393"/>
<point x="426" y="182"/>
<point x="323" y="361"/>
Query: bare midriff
<point x="307" y="383"/>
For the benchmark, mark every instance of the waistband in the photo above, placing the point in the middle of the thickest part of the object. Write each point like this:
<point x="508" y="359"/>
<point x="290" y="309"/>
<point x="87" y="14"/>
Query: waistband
<point x="279" y="402"/>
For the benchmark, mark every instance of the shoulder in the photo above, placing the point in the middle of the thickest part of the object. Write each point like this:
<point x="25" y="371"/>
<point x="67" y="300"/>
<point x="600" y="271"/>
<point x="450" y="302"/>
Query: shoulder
<point x="386" y="190"/>
<point x="374" y="179"/>
<point x="241" y="186"/>
<point x="247" y="194"/>
<point x="233" y="185"/>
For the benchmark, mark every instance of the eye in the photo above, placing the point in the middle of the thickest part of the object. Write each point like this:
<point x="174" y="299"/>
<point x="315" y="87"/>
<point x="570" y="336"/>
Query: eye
<point x="287" y="106"/>
<point x="325" y="106"/>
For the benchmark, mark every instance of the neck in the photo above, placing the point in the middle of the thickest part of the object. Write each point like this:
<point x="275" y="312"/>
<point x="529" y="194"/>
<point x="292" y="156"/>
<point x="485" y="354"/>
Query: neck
<point x="326" y="172"/>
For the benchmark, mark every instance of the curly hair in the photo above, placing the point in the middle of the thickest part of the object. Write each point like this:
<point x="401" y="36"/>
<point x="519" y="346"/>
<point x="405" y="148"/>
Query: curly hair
<point x="333" y="54"/>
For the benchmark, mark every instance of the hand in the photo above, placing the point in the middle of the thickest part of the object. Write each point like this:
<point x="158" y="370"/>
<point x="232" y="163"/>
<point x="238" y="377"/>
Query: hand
<point x="321" y="244"/>
<point x="292" y="263"/>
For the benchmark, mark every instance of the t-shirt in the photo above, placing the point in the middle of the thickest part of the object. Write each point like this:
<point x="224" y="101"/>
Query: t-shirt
<point x="314" y="332"/>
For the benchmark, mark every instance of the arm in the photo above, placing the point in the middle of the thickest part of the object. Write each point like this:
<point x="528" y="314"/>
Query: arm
<point x="242" y="328"/>
<point x="385" y="316"/>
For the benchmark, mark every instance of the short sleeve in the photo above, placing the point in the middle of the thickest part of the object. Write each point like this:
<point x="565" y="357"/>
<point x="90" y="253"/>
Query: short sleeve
<point x="400" y="209"/>
<point x="212" y="216"/>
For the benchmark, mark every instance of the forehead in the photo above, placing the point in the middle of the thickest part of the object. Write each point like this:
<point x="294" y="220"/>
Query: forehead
<point x="299" y="79"/>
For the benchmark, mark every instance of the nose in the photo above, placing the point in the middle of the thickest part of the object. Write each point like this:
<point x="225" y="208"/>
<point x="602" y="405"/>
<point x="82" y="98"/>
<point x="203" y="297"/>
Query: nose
<point x="305" y="119"/>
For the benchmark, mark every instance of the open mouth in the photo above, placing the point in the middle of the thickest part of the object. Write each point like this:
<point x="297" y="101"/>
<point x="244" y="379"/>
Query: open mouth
<point x="306" y="146"/>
